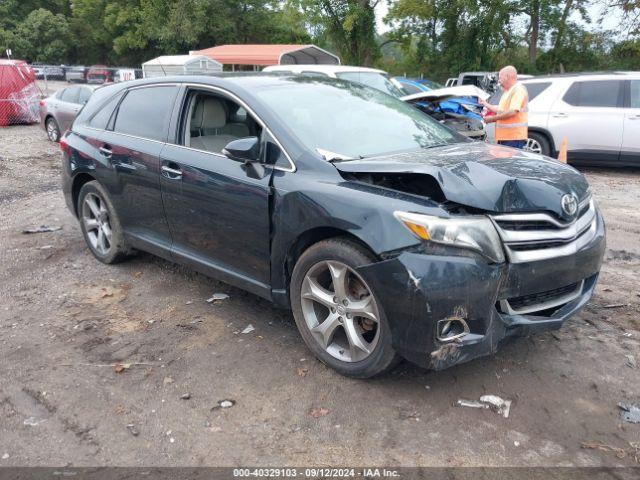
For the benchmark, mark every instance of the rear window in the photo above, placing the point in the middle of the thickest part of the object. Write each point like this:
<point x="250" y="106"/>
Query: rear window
<point x="596" y="93"/>
<point x="145" y="111"/>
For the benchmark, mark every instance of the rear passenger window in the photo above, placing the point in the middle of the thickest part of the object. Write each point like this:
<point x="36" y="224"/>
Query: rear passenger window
<point x="70" y="95"/>
<point x="597" y="93"/>
<point x="144" y="112"/>
<point x="635" y="93"/>
<point x="85" y="94"/>
<point x="101" y="119"/>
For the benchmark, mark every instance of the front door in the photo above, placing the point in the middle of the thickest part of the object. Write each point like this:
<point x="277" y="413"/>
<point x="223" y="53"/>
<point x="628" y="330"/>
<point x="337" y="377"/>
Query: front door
<point x="218" y="216"/>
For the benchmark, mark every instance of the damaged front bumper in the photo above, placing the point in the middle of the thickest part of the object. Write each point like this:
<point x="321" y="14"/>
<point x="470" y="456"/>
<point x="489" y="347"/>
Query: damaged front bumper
<point x="420" y="291"/>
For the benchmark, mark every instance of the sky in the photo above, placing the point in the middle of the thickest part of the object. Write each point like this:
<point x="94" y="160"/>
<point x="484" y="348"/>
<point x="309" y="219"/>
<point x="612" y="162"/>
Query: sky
<point x="610" y="21"/>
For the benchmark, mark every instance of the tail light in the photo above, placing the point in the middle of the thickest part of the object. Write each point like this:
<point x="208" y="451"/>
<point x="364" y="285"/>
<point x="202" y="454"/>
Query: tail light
<point x="64" y="146"/>
<point x="42" y="103"/>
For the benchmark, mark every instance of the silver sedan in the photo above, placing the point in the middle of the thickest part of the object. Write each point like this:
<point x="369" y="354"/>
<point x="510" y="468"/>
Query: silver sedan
<point x="58" y="111"/>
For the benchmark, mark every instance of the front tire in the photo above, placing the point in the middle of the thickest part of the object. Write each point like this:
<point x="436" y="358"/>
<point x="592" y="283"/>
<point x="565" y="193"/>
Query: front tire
<point x="53" y="131"/>
<point x="100" y="224"/>
<point x="336" y="311"/>
<point x="538" y="143"/>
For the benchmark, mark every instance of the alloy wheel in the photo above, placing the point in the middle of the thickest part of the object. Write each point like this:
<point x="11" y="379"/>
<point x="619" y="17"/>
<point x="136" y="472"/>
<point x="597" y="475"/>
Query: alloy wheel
<point x="340" y="311"/>
<point x="95" y="217"/>
<point x="533" y="146"/>
<point x="52" y="130"/>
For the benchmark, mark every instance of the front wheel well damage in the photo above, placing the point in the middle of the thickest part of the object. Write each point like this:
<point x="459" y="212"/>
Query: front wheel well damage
<point x="78" y="181"/>
<point x="313" y="236"/>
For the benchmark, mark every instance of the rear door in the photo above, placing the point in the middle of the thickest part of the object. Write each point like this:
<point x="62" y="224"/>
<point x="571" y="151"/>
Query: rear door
<point x="590" y="116"/>
<point x="131" y="146"/>
<point x="218" y="215"/>
<point x="630" y="152"/>
<point x="67" y="107"/>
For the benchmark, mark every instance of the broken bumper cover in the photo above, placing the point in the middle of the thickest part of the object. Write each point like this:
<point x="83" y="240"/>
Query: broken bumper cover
<point x="417" y="289"/>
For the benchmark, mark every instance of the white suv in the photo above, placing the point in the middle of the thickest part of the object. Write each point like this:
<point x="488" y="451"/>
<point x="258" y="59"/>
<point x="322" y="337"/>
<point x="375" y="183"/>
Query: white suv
<point x="598" y="114"/>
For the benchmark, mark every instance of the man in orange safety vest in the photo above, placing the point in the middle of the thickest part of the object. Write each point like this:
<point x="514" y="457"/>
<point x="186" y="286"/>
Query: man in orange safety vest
<point x="511" y="117"/>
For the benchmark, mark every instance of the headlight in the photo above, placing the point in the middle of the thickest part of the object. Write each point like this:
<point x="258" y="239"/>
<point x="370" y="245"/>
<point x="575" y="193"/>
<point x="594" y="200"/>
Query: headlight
<point x="473" y="233"/>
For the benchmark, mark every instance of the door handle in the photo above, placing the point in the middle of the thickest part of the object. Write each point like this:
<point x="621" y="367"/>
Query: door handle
<point x="106" y="151"/>
<point x="171" y="173"/>
<point x="559" y="115"/>
<point x="634" y="117"/>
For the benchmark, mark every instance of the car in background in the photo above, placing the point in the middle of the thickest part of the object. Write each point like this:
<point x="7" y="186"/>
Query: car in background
<point x="58" y="111"/>
<point x="378" y="79"/>
<point x="372" y="77"/>
<point x="487" y="81"/>
<point x="49" y="72"/>
<point x="415" y="85"/>
<point x="598" y="114"/>
<point x="100" y="74"/>
<point x="387" y="234"/>
<point x="76" y="74"/>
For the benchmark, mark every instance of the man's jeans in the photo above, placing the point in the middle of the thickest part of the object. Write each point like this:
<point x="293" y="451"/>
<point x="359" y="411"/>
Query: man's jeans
<point x="513" y="143"/>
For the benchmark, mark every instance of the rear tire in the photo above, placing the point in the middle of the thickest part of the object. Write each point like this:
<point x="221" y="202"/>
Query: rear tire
<point x="337" y="312"/>
<point x="53" y="131"/>
<point x="100" y="224"/>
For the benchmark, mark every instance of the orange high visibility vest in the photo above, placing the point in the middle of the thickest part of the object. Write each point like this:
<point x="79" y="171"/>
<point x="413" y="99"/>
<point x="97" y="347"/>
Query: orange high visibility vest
<point x="514" y="128"/>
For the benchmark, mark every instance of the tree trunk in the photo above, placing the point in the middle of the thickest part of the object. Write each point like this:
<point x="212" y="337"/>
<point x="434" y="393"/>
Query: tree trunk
<point x="534" y="31"/>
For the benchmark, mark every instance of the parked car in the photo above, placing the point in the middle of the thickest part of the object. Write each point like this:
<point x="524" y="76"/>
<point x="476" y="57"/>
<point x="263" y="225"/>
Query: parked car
<point x="598" y="114"/>
<point x="472" y="127"/>
<point x="487" y="81"/>
<point x="99" y="74"/>
<point x="58" y="111"/>
<point x="76" y="74"/>
<point x="50" y="72"/>
<point x="455" y="107"/>
<point x="415" y="85"/>
<point x="387" y="234"/>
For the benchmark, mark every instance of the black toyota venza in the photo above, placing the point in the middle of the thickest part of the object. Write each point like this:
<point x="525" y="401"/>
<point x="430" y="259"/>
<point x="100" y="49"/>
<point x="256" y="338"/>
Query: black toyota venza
<point x="386" y="233"/>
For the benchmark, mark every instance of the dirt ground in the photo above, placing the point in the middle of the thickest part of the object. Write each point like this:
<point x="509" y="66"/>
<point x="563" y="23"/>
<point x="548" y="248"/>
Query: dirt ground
<point x="65" y="319"/>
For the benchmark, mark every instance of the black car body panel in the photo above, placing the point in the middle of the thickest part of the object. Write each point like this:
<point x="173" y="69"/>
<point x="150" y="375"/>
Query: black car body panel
<point x="249" y="231"/>
<point x="487" y="177"/>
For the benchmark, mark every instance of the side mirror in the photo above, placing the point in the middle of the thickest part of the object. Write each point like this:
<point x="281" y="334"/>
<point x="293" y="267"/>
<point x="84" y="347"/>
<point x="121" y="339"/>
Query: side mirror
<point x="243" y="149"/>
<point x="247" y="150"/>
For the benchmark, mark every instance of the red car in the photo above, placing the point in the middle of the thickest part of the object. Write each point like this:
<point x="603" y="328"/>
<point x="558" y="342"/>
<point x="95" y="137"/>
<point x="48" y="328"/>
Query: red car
<point x="99" y="74"/>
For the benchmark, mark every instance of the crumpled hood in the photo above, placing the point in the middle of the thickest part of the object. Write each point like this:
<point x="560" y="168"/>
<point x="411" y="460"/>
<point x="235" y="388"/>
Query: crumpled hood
<point x="485" y="176"/>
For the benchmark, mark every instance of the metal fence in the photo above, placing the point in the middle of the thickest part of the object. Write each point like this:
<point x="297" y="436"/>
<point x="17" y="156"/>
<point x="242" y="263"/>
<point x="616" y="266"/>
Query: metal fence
<point x="96" y="74"/>
<point x="19" y="100"/>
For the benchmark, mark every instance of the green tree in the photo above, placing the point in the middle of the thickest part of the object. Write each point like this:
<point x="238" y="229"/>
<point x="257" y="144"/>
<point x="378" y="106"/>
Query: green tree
<point x="346" y="26"/>
<point x="43" y="36"/>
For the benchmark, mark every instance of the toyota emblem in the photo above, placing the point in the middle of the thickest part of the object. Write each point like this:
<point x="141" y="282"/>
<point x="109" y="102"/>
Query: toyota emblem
<point x="569" y="204"/>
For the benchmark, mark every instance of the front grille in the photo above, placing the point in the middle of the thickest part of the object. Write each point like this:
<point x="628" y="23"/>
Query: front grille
<point x="549" y="300"/>
<point x="518" y="303"/>
<point x="531" y="237"/>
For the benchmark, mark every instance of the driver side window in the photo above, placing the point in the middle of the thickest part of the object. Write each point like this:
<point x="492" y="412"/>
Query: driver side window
<point x="212" y="121"/>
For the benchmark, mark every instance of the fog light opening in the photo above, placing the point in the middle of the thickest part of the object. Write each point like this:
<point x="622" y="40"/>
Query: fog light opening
<point x="450" y="329"/>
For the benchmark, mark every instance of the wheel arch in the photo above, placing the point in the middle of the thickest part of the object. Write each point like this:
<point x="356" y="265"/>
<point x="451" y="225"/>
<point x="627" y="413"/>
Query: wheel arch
<point x="78" y="182"/>
<point x="547" y="134"/>
<point x="299" y="245"/>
